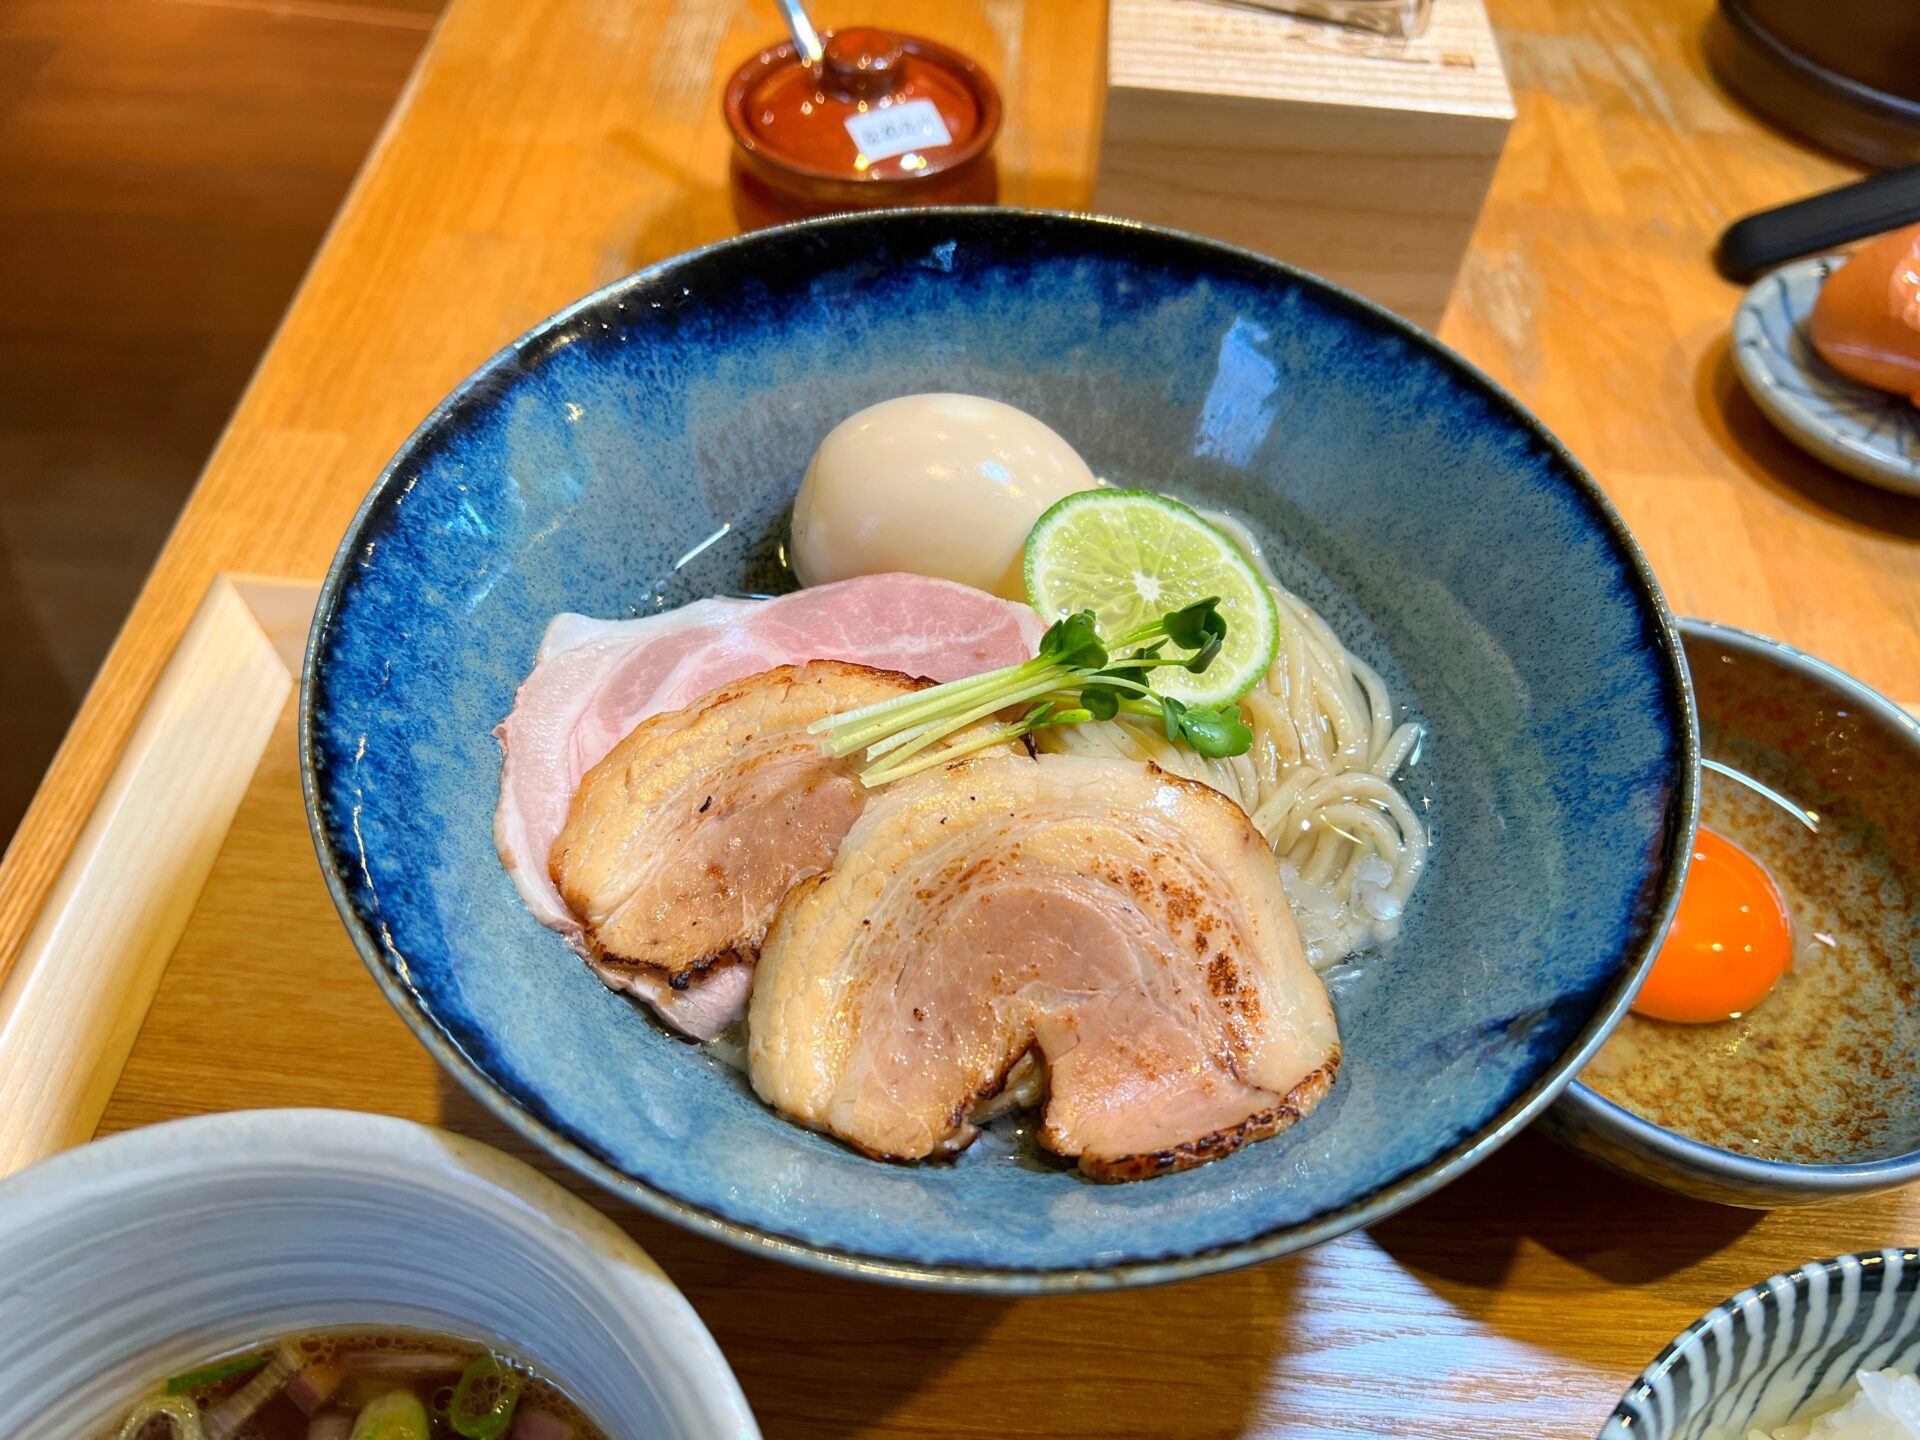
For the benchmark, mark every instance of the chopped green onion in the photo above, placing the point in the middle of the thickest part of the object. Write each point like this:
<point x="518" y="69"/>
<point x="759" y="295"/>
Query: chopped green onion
<point x="483" y="1401"/>
<point x="215" y="1373"/>
<point x="396" y="1415"/>
<point x="181" y="1415"/>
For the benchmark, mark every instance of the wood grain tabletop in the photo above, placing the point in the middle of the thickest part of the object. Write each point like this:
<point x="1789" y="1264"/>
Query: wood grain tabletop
<point x="545" y="147"/>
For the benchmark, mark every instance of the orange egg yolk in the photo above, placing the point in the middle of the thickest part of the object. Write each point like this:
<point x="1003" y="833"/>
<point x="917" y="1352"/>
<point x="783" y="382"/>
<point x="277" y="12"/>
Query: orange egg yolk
<point x="1730" y="943"/>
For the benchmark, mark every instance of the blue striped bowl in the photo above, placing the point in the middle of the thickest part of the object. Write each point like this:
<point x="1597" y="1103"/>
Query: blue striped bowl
<point x="1870" y="434"/>
<point x="1791" y="1342"/>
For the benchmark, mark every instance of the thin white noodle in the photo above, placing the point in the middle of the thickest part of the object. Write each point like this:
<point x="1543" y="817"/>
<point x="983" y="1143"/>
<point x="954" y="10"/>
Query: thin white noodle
<point x="1318" y="780"/>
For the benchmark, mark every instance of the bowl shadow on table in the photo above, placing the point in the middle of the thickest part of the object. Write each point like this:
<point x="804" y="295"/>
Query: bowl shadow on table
<point x="1465" y="1242"/>
<point x="1745" y="434"/>
<point x="825" y="1355"/>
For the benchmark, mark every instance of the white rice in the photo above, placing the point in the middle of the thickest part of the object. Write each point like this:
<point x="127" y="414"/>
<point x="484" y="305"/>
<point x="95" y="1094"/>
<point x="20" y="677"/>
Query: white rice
<point x="1876" y="1405"/>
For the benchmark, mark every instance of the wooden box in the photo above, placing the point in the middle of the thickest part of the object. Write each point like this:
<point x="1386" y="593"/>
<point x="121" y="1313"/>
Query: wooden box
<point x="1359" y="157"/>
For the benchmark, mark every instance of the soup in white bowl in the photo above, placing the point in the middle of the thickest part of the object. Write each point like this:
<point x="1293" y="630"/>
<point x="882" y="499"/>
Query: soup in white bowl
<point x="139" y="1258"/>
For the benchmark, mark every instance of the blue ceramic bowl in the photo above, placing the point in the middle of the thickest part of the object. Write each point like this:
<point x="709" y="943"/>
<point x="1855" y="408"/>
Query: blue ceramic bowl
<point x="642" y="448"/>
<point x="1790" y="1343"/>
<point x="1839" y="1029"/>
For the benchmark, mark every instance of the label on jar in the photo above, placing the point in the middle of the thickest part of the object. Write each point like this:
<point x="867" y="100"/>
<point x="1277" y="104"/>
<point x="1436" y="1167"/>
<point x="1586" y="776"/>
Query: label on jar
<point x="911" y="125"/>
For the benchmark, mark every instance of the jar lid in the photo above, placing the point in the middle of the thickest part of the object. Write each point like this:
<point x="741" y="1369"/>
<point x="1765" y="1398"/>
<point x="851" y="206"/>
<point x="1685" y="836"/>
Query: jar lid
<point x="877" y="107"/>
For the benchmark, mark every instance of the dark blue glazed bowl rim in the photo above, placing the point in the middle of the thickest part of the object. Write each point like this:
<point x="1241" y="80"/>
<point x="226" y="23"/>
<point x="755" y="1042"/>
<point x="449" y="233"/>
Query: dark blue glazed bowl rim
<point x="1681" y="816"/>
<point x="1589" y="1109"/>
<point x="1766" y="1294"/>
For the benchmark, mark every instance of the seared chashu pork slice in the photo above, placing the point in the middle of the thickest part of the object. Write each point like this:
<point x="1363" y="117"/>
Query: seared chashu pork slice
<point x="682" y="841"/>
<point x="595" y="680"/>
<point x="1125" y="926"/>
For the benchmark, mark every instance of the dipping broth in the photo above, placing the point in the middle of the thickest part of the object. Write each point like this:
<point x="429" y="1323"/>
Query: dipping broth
<point x="1820" y="1071"/>
<point x="357" y="1385"/>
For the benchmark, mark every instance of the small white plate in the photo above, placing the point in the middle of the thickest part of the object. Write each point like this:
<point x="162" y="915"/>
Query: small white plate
<point x="1871" y="434"/>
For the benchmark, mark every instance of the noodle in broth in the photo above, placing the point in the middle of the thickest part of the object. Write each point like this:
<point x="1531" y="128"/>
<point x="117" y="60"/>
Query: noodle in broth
<point x="1318" y="781"/>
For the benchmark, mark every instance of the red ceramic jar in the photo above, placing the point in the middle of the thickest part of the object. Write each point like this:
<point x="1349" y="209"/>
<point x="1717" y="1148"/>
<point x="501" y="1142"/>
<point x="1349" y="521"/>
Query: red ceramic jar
<point x="881" y="120"/>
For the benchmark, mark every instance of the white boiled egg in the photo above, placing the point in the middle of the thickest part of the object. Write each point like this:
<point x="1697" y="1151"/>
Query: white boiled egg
<point x="942" y="485"/>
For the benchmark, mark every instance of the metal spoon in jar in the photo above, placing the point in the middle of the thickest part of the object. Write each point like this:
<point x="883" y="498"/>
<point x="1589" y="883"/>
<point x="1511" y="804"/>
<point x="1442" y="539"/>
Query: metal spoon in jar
<point x="806" y="39"/>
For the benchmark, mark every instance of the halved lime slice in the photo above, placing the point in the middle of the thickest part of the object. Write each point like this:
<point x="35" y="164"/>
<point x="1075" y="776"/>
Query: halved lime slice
<point x="1132" y="555"/>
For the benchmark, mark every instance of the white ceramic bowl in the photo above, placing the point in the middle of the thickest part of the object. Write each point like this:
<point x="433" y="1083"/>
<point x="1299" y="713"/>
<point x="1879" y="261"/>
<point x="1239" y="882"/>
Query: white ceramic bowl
<point x="140" y="1255"/>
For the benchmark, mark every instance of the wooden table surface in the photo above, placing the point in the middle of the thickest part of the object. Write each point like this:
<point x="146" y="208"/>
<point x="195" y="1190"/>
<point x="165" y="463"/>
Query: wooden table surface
<point x="547" y="146"/>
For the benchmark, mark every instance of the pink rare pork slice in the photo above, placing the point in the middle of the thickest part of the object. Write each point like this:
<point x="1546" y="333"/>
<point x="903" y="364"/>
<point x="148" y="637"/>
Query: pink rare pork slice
<point x="595" y="681"/>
